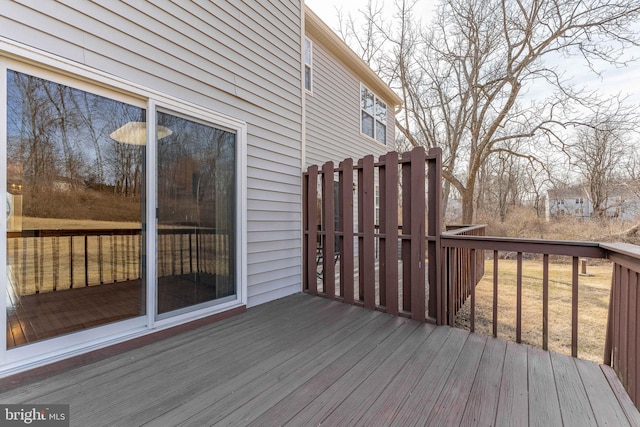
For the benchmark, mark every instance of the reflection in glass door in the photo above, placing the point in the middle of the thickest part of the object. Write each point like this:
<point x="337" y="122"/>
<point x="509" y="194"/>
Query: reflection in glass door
<point x="75" y="182"/>
<point x="196" y="188"/>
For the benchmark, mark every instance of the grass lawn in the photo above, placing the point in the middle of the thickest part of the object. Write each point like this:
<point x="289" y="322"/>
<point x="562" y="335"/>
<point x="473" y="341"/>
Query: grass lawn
<point x="593" y="302"/>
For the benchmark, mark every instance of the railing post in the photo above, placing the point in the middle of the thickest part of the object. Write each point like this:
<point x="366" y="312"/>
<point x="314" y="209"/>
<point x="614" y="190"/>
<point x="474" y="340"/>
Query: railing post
<point x="312" y="229"/>
<point x="608" y="342"/>
<point x="366" y="225"/>
<point x="389" y="227"/>
<point x="328" y="225"/>
<point x="437" y="301"/>
<point x="86" y="261"/>
<point x="406" y="230"/>
<point x="345" y="179"/>
<point x="418" y="249"/>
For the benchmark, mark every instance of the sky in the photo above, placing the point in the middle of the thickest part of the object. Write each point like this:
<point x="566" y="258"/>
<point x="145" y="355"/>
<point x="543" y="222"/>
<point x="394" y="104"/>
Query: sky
<point x="613" y="81"/>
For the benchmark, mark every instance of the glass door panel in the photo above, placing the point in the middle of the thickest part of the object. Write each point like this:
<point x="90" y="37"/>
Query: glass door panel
<point x="196" y="193"/>
<point x="75" y="203"/>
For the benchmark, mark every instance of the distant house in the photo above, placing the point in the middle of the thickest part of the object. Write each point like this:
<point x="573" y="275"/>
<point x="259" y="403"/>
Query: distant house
<point x="206" y="113"/>
<point x="622" y="203"/>
<point x="571" y="201"/>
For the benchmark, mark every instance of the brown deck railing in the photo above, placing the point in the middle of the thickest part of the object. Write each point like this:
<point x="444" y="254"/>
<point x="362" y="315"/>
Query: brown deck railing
<point x="622" y="347"/>
<point x="465" y="267"/>
<point x="400" y="286"/>
<point x="51" y="260"/>
<point x="454" y="259"/>
<point x="545" y="248"/>
<point x="622" y="344"/>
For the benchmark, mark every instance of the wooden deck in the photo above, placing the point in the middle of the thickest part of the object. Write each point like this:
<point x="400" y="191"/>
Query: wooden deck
<point x="305" y="360"/>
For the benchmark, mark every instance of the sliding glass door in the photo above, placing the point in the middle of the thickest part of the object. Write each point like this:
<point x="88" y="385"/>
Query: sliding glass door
<point x="79" y="199"/>
<point x="75" y="202"/>
<point x="196" y="216"/>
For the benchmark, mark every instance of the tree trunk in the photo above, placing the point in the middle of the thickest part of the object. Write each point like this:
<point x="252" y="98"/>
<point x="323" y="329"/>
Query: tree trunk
<point x="467" y="207"/>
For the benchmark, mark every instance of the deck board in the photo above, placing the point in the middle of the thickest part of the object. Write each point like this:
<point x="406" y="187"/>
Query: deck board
<point x="395" y="393"/>
<point x="623" y="398"/>
<point x="483" y="400"/>
<point x="423" y="397"/>
<point x="358" y="401"/>
<point x="513" y="402"/>
<point x="574" y="404"/>
<point x="452" y="401"/>
<point x="239" y="396"/>
<point x="544" y="408"/>
<point x="606" y="407"/>
<point x="305" y="360"/>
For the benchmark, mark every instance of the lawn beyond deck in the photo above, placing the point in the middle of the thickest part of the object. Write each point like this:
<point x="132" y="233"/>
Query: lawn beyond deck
<point x="305" y="360"/>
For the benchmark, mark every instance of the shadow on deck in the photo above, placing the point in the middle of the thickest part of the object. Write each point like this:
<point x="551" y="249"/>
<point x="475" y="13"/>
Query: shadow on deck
<point x="304" y="360"/>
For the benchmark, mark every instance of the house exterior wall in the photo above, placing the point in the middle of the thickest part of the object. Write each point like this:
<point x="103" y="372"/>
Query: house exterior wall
<point x="240" y="59"/>
<point x="332" y="108"/>
<point x="333" y="113"/>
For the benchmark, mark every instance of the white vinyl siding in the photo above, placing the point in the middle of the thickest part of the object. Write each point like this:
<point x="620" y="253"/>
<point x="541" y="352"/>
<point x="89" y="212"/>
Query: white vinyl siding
<point x="241" y="59"/>
<point x="333" y="114"/>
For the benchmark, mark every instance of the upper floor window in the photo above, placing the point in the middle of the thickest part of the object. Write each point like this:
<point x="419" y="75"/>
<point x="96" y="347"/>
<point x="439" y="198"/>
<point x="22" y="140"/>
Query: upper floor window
<point x="373" y="115"/>
<point x="308" y="63"/>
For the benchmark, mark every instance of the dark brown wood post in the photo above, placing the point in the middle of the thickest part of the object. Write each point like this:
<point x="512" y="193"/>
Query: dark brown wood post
<point x="608" y="342"/>
<point x="366" y="227"/>
<point x="328" y="225"/>
<point x="437" y="292"/>
<point x="633" y="338"/>
<point x="574" y="308"/>
<point x="312" y="229"/>
<point x="472" y="311"/>
<point x="519" y="298"/>
<point x="406" y="231"/>
<point x="545" y="302"/>
<point x="382" y="270"/>
<point x="418" y="234"/>
<point x="389" y="227"/>
<point x="346" y="222"/>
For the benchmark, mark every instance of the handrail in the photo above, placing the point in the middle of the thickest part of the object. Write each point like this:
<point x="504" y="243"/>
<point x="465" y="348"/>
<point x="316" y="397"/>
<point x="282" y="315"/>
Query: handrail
<point x="539" y="246"/>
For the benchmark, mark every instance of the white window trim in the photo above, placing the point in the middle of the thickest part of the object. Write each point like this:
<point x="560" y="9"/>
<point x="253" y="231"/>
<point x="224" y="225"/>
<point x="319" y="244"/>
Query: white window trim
<point x="375" y="98"/>
<point x="22" y="58"/>
<point x="305" y="65"/>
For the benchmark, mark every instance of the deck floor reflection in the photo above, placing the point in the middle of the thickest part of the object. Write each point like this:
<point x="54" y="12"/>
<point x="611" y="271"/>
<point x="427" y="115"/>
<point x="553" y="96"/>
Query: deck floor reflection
<point x="36" y="317"/>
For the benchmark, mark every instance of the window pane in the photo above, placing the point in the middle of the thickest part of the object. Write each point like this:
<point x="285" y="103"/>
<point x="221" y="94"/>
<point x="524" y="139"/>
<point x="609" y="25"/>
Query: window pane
<point x="307" y="52"/>
<point x="75" y="163"/>
<point x="196" y="214"/>
<point x="367" y="124"/>
<point x="366" y="100"/>
<point x="381" y="111"/>
<point x="307" y="78"/>
<point x="381" y="132"/>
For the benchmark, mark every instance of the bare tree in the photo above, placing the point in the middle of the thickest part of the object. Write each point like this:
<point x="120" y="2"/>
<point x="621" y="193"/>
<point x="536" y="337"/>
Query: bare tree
<point x="486" y="72"/>
<point x="598" y="155"/>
